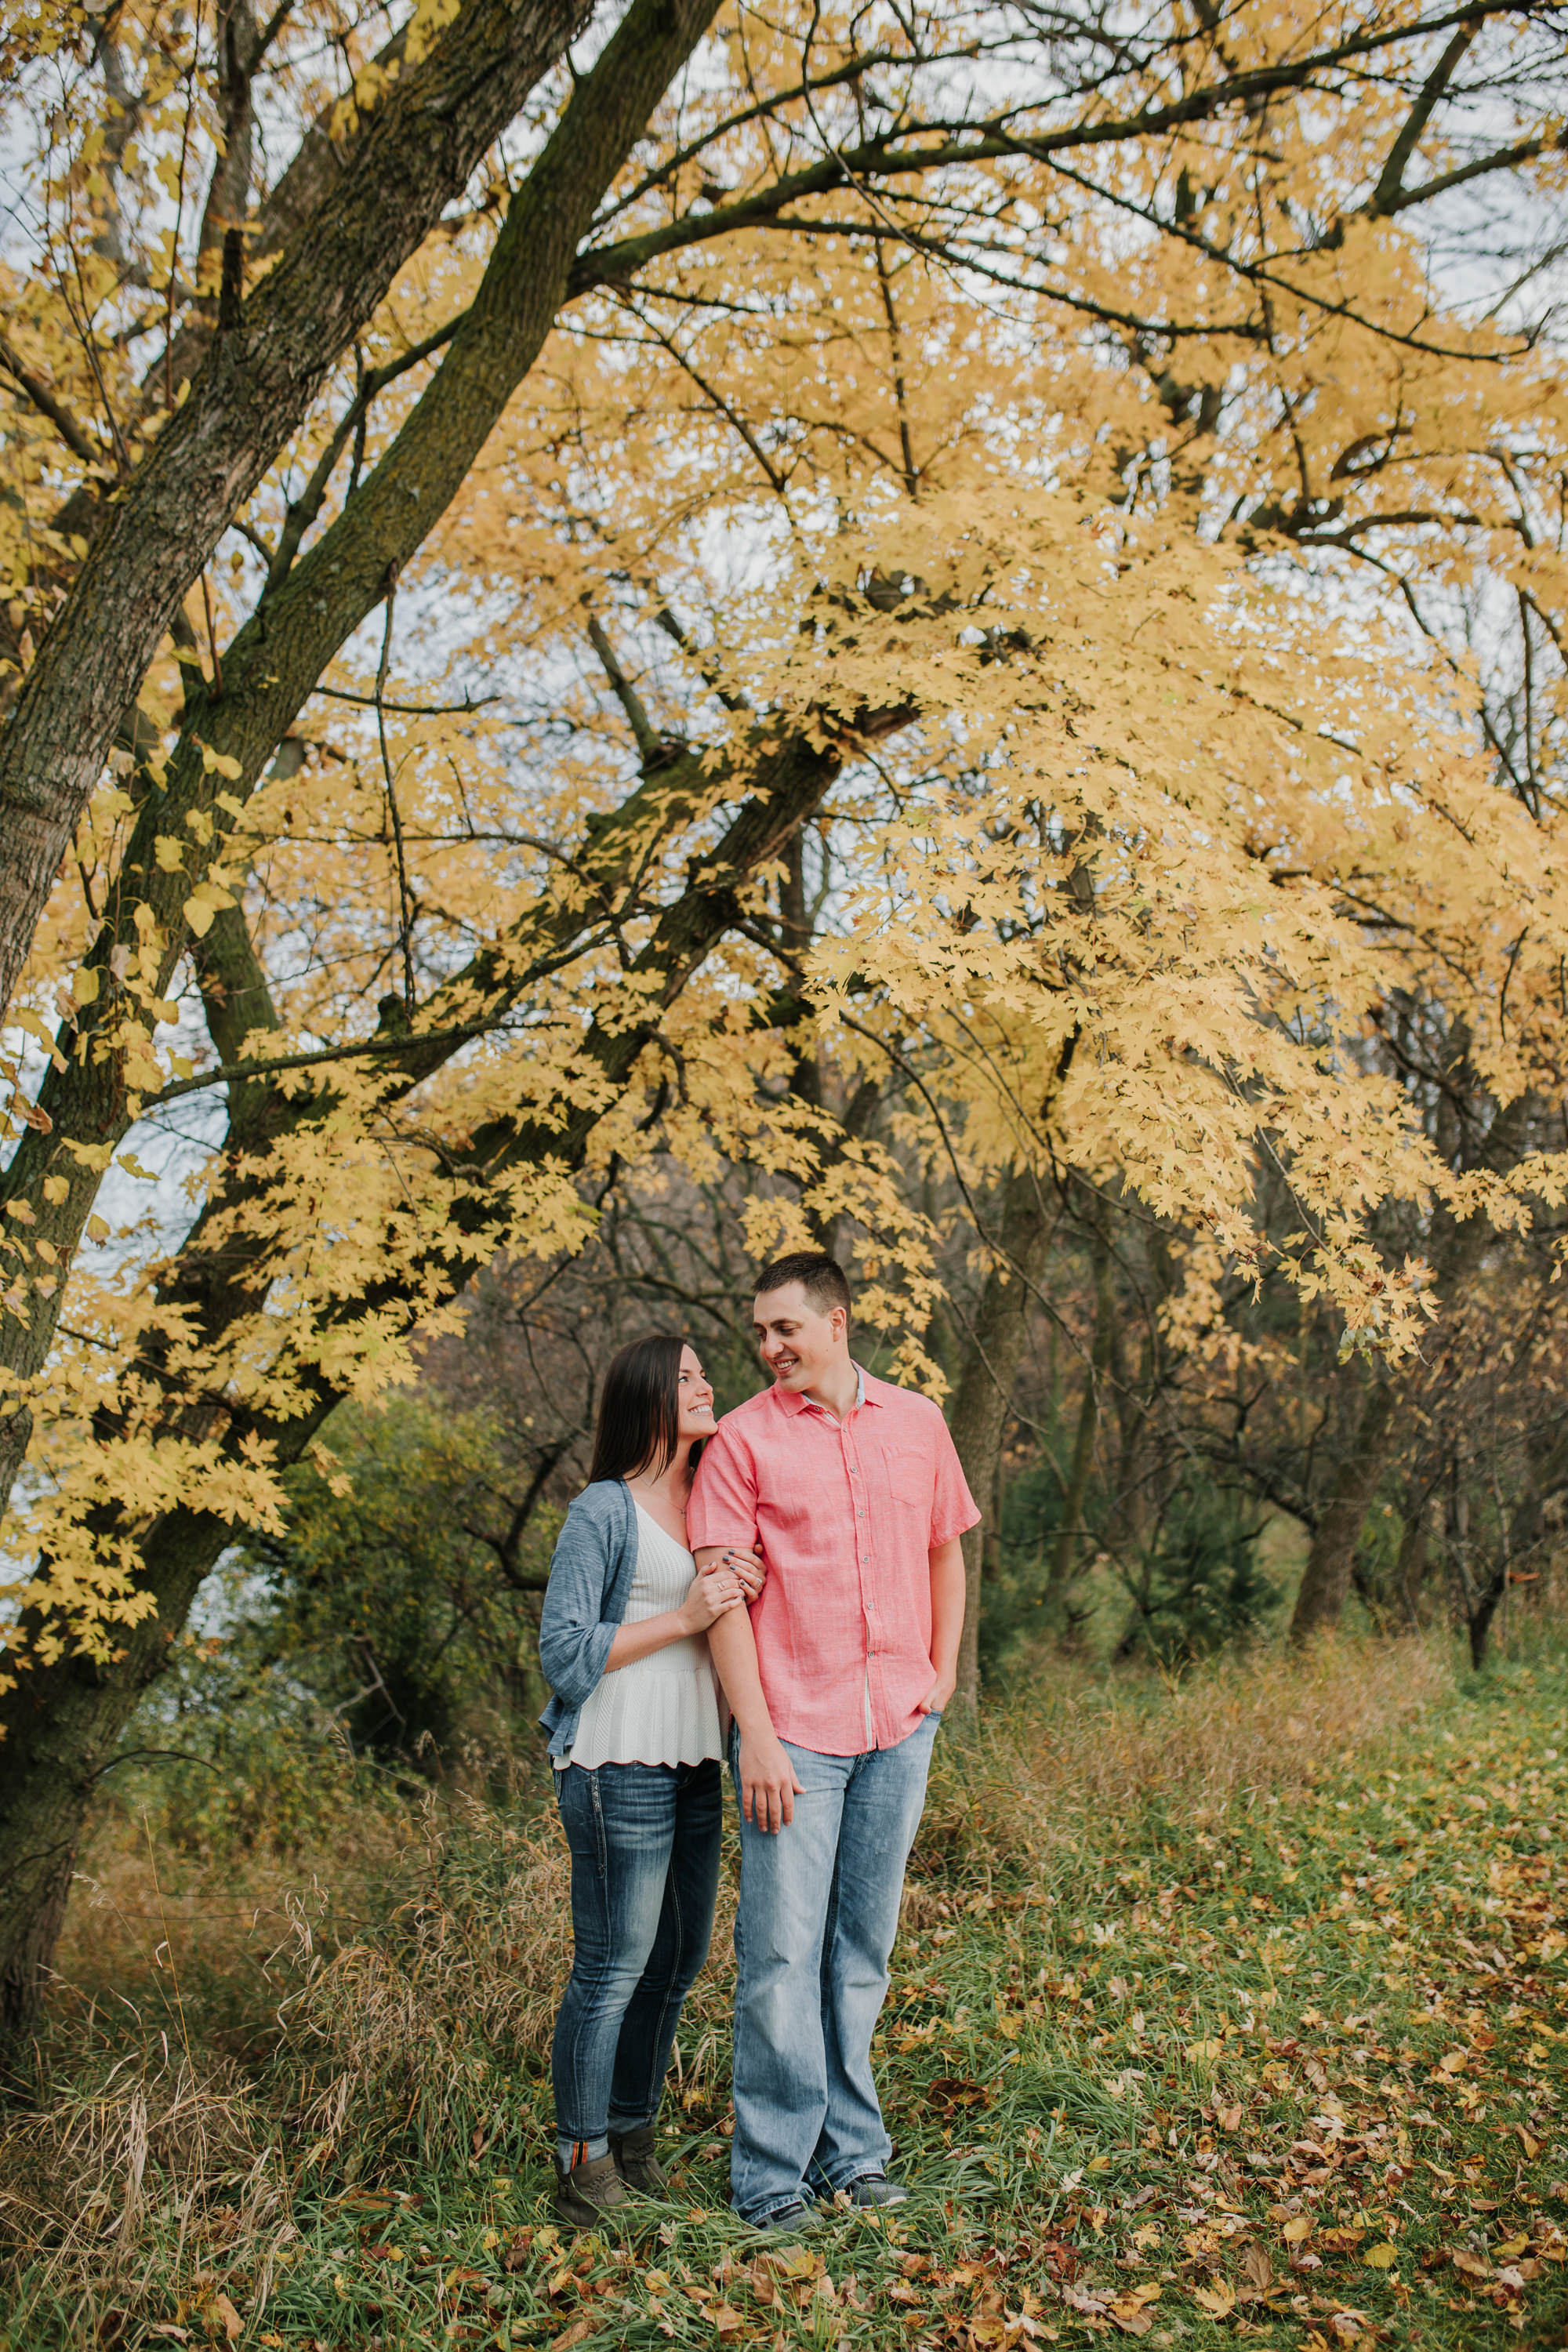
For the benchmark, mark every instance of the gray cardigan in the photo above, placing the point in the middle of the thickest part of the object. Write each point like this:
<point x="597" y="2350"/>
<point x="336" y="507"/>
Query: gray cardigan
<point x="585" y="1600"/>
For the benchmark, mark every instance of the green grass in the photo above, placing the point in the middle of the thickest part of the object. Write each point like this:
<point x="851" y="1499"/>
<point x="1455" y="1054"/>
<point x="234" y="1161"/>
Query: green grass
<point x="1284" y="2062"/>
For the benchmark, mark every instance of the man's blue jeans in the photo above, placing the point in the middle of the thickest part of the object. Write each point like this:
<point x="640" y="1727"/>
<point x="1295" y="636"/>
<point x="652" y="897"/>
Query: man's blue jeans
<point x="644" y="1874"/>
<point x="820" y="1909"/>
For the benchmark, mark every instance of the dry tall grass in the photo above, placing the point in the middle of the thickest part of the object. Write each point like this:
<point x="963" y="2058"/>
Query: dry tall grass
<point x="220" y="2037"/>
<point x="1090" y="1755"/>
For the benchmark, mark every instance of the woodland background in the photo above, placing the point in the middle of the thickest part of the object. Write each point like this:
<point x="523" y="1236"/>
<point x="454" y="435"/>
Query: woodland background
<point x="632" y="636"/>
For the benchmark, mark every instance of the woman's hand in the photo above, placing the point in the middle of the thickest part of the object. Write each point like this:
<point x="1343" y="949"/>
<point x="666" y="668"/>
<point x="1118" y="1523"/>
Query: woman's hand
<point x="748" y="1568"/>
<point x="717" y="1590"/>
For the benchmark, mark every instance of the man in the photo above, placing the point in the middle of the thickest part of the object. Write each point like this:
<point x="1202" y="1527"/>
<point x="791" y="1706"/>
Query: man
<point x="852" y="1491"/>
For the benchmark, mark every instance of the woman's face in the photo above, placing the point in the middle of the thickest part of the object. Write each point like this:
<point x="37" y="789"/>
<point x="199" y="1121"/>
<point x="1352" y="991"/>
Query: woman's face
<point x="696" y="1398"/>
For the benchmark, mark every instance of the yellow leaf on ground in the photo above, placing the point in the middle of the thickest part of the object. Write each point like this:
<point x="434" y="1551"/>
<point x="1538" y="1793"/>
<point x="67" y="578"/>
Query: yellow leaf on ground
<point x="572" y="2335"/>
<point x="1380" y="2258"/>
<point x="1217" y="2299"/>
<point x="218" y="2312"/>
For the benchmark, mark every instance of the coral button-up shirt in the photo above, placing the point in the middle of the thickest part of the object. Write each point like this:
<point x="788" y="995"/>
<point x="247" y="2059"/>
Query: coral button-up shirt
<point x="845" y="1515"/>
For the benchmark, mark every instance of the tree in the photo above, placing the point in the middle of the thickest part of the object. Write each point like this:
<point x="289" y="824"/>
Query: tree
<point x="461" y="966"/>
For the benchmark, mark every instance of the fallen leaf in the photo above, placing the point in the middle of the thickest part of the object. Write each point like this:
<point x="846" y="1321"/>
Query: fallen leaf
<point x="1474" y="2267"/>
<point x="1296" y="2228"/>
<point x="218" y="2316"/>
<point x="1218" y="2300"/>
<point x="726" y="2320"/>
<point x="1380" y="2258"/>
<point x="949" y="2093"/>
<point x="572" y="2335"/>
<point x="1259" y="2268"/>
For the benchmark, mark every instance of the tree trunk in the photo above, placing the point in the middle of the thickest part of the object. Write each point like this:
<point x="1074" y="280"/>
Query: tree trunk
<point x="58" y="1724"/>
<point x="1063" y="1551"/>
<point x="1410" y="1572"/>
<point x="62" y="1722"/>
<point x="984" y="1396"/>
<point x="1326" y="1579"/>
<point x="1331" y="1562"/>
<point x="274" y="662"/>
<point x="251" y="392"/>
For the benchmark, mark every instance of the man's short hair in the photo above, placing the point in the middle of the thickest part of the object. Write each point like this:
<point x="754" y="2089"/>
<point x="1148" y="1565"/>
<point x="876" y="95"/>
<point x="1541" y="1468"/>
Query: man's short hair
<point x="820" y="1277"/>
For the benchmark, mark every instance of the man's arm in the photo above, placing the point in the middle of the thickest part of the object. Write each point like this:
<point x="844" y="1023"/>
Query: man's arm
<point x="768" y="1785"/>
<point x="947" y="1589"/>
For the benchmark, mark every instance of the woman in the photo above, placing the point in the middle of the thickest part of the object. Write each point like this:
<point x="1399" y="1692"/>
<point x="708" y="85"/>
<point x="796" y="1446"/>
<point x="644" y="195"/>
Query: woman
<point x="635" y="1739"/>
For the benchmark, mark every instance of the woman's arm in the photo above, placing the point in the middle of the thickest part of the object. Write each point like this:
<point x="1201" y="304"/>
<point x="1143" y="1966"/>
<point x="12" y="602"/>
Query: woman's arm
<point x="574" y="1636"/>
<point x="714" y="1591"/>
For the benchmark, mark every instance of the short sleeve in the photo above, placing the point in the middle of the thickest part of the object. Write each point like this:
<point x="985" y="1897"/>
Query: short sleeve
<point x="953" y="1509"/>
<point x="723" y="1505"/>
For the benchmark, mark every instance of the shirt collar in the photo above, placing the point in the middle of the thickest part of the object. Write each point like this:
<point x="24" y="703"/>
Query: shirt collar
<point x="792" y="1402"/>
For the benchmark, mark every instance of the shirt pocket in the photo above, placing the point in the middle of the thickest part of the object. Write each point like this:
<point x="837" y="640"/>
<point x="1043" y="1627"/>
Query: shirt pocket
<point x="909" y="1472"/>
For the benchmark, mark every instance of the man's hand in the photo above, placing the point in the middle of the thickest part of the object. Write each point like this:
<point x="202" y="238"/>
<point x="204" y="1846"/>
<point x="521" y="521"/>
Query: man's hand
<point x="941" y="1691"/>
<point x="768" y="1785"/>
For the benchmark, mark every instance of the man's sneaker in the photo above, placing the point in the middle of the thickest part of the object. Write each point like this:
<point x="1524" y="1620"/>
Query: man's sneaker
<point x="875" y="2189"/>
<point x="637" y="2162"/>
<point x="587" y="2193"/>
<point x="794" y="2221"/>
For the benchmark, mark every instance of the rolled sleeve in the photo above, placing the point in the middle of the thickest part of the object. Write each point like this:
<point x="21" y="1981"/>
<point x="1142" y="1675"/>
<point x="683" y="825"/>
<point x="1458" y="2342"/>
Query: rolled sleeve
<point x="953" y="1509"/>
<point x="722" y="1508"/>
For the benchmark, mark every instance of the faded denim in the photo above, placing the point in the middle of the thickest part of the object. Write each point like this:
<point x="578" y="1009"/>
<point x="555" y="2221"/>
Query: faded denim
<point x="645" y="1876"/>
<point x="819" y="1910"/>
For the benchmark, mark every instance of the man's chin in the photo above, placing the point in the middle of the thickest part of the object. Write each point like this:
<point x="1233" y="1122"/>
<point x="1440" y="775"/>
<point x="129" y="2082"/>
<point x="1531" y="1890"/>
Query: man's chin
<point x="795" y="1378"/>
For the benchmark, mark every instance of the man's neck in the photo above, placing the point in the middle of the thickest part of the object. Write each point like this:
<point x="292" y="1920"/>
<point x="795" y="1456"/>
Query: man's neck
<point x="836" y="1393"/>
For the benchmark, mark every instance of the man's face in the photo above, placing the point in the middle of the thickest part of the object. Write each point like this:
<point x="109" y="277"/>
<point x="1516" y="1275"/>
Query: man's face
<point x="797" y="1343"/>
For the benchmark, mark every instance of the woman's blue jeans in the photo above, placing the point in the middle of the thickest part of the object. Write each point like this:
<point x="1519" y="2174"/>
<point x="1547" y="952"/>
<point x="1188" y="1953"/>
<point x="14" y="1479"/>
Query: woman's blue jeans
<point x="645" y="1876"/>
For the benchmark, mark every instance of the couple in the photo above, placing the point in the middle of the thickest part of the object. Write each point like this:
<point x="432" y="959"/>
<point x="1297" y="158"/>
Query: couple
<point x="809" y="1563"/>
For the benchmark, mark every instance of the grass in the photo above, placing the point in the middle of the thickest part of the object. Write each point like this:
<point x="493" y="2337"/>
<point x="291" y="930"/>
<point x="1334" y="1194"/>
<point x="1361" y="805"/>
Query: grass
<point x="1222" y="2009"/>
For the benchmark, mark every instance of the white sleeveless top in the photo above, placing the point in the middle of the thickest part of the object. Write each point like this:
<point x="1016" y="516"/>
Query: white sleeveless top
<point x="664" y="1709"/>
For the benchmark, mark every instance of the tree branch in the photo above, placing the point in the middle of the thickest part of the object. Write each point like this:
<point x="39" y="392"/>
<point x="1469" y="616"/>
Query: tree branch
<point x="77" y="440"/>
<point x="1390" y="187"/>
